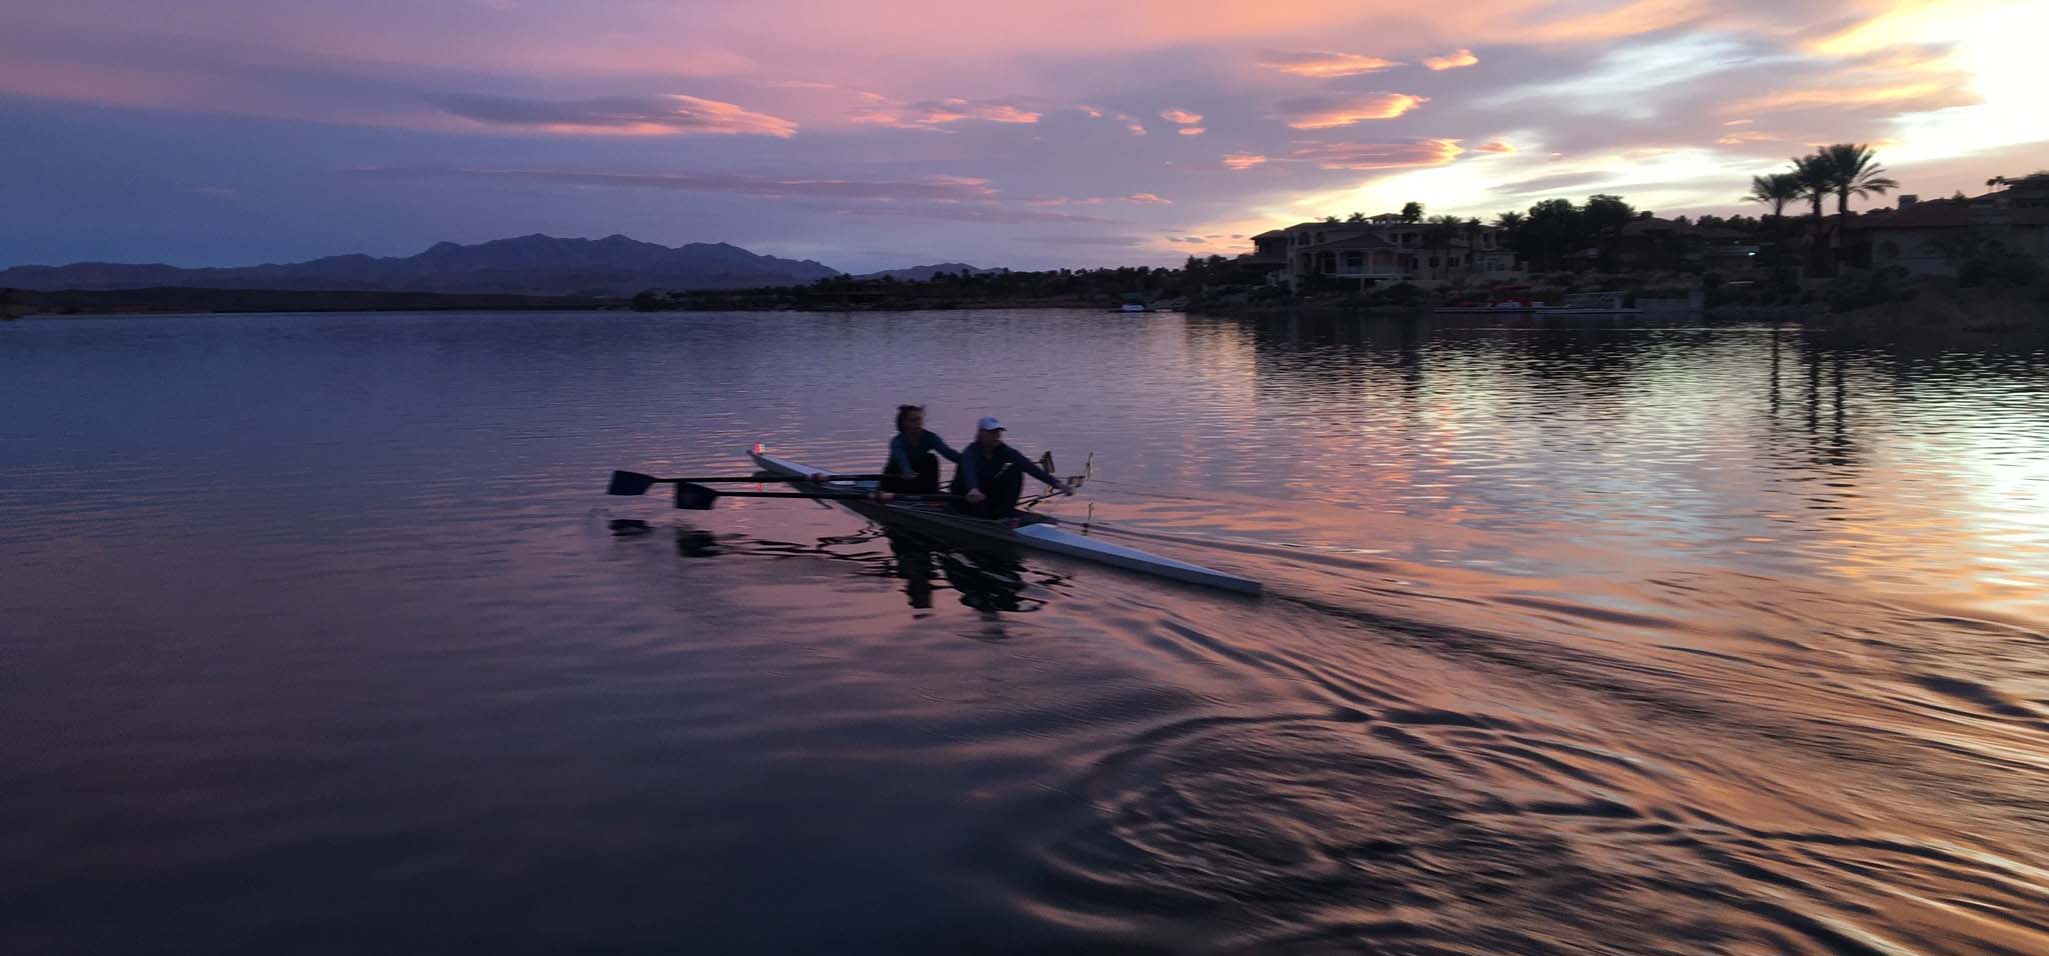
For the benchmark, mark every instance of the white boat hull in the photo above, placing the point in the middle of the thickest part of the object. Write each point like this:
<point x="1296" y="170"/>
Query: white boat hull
<point x="1045" y="535"/>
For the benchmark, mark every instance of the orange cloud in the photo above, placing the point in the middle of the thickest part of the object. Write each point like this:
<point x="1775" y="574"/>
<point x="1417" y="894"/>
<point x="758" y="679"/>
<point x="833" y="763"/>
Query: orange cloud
<point x="1183" y="117"/>
<point x="668" y="115"/>
<point x="1148" y="198"/>
<point x="1451" y="61"/>
<point x="930" y="114"/>
<point x="1739" y="137"/>
<point x="1091" y="111"/>
<point x="1629" y="19"/>
<point x="1242" y="160"/>
<point x="1330" y="112"/>
<point x="1131" y="123"/>
<point x="1422" y="152"/>
<point x="1494" y="146"/>
<point x="1925" y="94"/>
<point x="1193" y="130"/>
<point x="1324" y="64"/>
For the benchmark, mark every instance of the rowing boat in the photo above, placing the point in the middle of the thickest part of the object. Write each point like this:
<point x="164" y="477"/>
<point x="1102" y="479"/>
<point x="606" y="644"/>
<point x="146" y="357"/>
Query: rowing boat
<point x="1040" y="532"/>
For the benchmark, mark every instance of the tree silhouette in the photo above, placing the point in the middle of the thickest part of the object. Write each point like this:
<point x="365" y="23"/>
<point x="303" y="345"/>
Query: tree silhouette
<point x="1605" y="216"/>
<point x="1552" y="229"/>
<point x="1776" y="189"/>
<point x="1816" y="181"/>
<point x="1412" y="212"/>
<point x="1854" y="171"/>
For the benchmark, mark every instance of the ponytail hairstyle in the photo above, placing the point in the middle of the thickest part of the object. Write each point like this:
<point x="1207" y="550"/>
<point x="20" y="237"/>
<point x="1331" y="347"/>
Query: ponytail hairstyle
<point x="903" y="414"/>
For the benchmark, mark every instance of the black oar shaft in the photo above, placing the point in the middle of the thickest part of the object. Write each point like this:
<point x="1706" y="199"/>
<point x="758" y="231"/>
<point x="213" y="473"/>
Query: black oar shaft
<point x="858" y="495"/>
<point x="696" y="497"/>
<point x="774" y="479"/>
<point x="635" y="483"/>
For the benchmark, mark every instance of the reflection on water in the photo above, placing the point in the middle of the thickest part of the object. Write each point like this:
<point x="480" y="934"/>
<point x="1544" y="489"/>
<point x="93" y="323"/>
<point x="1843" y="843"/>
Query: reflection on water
<point x="1577" y="638"/>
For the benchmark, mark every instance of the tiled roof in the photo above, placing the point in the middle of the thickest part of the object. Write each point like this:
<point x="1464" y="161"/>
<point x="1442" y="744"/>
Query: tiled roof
<point x="1949" y="214"/>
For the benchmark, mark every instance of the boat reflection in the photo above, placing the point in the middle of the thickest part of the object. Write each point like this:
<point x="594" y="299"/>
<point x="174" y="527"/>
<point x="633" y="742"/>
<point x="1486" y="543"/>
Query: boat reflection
<point x="987" y="579"/>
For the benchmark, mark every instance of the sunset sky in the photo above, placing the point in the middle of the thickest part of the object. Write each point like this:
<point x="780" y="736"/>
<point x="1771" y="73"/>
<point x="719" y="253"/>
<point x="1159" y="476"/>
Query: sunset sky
<point x="891" y="132"/>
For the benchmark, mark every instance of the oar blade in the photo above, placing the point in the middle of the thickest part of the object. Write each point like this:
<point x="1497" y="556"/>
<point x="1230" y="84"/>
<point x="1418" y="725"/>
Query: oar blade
<point x="629" y="483"/>
<point x="691" y="497"/>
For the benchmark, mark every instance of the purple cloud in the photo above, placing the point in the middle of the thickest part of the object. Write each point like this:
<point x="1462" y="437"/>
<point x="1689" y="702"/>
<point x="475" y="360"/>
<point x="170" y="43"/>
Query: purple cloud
<point x="667" y="115"/>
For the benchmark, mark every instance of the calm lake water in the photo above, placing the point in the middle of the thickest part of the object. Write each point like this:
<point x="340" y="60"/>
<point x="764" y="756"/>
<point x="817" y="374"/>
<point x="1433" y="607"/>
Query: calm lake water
<point x="1577" y="639"/>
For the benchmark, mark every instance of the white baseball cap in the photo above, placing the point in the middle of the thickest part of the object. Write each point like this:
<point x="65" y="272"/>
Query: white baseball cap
<point x="989" y="424"/>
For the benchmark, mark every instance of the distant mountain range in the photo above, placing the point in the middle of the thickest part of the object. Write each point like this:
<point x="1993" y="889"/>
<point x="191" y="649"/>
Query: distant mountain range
<point x="528" y="265"/>
<point x="923" y="273"/>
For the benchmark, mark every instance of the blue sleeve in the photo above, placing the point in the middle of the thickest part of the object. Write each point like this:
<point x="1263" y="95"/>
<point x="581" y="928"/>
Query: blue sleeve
<point x="939" y="445"/>
<point x="1029" y="468"/>
<point x="890" y="467"/>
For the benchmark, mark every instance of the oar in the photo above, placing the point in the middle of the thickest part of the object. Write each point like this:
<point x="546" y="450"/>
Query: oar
<point x="635" y="483"/>
<point x="1046" y="462"/>
<point x="692" y="497"/>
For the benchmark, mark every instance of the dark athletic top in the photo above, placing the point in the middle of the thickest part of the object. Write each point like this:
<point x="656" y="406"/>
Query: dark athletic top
<point x="903" y="457"/>
<point x="978" y="470"/>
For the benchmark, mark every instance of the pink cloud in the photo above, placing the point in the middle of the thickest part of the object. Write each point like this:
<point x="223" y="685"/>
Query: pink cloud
<point x="668" y="115"/>
<point x="1494" y="146"/>
<point x="1417" y="153"/>
<point x="931" y="114"/>
<point x="1325" y="112"/>
<point x="1242" y="160"/>
<point x="1193" y="130"/>
<point x="983" y="213"/>
<point x="1181" y="116"/>
<point x="1131" y="123"/>
<point x="1148" y="198"/>
<point x="943" y="189"/>
<point x="1324" y="64"/>
<point x="1092" y="112"/>
<point x="1451" y="61"/>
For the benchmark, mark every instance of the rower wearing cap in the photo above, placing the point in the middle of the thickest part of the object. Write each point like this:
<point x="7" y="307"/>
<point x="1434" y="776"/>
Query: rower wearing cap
<point x="991" y="473"/>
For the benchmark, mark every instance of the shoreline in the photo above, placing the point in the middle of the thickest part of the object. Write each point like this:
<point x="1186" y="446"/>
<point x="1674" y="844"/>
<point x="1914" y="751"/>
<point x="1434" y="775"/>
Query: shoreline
<point x="187" y="300"/>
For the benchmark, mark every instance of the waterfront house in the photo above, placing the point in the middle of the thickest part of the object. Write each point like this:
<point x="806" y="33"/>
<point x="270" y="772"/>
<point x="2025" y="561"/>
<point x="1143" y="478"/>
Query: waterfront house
<point x="1651" y="244"/>
<point x="1927" y="238"/>
<point x="1383" y="249"/>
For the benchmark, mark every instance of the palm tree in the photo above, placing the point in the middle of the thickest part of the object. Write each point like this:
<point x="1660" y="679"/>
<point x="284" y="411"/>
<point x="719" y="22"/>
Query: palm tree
<point x="1854" y="170"/>
<point x="1440" y="232"/>
<point x="1472" y="231"/>
<point x="1778" y="189"/>
<point x="1817" y="180"/>
<point x="1511" y="225"/>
